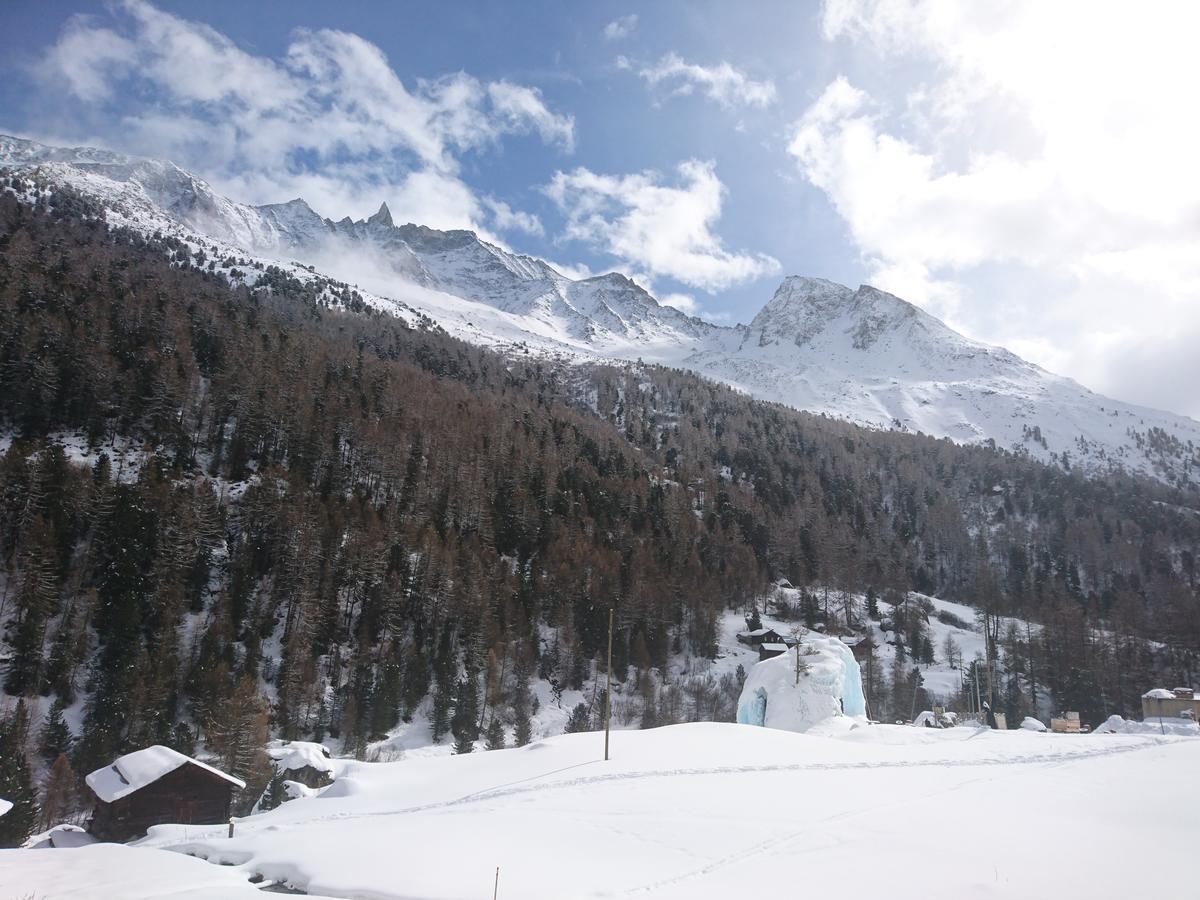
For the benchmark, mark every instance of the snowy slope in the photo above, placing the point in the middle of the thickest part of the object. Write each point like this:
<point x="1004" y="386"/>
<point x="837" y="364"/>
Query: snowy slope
<point x="857" y="354"/>
<point x="700" y="811"/>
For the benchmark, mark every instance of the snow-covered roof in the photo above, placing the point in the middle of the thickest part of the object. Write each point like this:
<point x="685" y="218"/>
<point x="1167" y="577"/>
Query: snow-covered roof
<point x="757" y="632"/>
<point x="298" y="754"/>
<point x="852" y="640"/>
<point x="1159" y="694"/>
<point x="134" y="771"/>
<point x="778" y="648"/>
<point x="5" y="806"/>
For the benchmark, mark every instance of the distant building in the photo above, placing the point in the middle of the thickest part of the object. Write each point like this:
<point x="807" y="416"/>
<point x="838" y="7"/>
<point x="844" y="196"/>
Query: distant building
<point x="759" y="636"/>
<point x="1067" y="723"/>
<point x="1173" y="704"/>
<point x="770" y="650"/>
<point x="157" y="785"/>
<point x="859" y="646"/>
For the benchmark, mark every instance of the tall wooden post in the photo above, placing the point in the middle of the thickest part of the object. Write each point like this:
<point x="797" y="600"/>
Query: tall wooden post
<point x="608" y="686"/>
<point x="496" y="889"/>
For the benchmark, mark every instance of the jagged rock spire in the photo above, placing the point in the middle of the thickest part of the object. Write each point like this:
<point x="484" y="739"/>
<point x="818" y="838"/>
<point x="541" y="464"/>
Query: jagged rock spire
<point x="383" y="217"/>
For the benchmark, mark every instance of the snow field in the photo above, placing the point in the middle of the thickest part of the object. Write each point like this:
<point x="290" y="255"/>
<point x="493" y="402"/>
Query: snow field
<point x="714" y="810"/>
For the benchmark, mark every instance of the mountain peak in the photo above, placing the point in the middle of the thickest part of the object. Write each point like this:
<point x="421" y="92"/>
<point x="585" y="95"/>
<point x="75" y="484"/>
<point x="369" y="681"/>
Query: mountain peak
<point x="799" y="308"/>
<point x="383" y="217"/>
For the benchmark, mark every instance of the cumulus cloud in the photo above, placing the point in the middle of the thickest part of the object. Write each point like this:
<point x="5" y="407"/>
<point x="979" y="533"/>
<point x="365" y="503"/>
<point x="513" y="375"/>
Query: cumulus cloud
<point x="505" y="218"/>
<point x="1013" y="146"/>
<point x="328" y="119"/>
<point x="682" y="302"/>
<point x="722" y="83"/>
<point x="662" y="229"/>
<point x="619" y="29"/>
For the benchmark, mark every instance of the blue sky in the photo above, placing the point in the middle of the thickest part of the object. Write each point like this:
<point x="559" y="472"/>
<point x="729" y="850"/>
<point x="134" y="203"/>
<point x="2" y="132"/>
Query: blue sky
<point x="1024" y="171"/>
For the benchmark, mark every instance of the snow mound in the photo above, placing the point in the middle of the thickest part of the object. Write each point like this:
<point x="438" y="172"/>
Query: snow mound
<point x="1165" y="725"/>
<point x="1029" y="723"/>
<point x="134" y="771"/>
<point x="829" y="686"/>
<point x="291" y="755"/>
<point x="5" y="806"/>
<point x="60" y="837"/>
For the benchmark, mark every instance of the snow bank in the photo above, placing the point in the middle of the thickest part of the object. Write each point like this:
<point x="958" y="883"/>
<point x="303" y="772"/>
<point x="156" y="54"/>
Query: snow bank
<point x="1165" y="725"/>
<point x="134" y="771"/>
<point x="291" y="755"/>
<point x="118" y="872"/>
<point x="5" y="806"/>
<point x="1029" y="723"/>
<point x="59" y="837"/>
<point x="830" y="685"/>
<point x="684" y="812"/>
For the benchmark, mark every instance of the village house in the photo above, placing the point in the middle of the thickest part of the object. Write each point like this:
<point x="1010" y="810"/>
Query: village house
<point x="157" y="785"/>
<point x="759" y="636"/>
<point x="767" y="650"/>
<point x="1173" y="704"/>
<point x="859" y="646"/>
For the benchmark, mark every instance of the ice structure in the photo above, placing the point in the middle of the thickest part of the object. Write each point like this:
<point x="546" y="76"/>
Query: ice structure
<point x="830" y="685"/>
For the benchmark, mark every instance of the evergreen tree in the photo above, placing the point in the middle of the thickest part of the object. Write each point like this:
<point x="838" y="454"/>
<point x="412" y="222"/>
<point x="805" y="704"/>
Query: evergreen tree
<point x="16" y="782"/>
<point x="523" y="722"/>
<point x="275" y="793"/>
<point x="56" y="737"/>
<point x="495" y="735"/>
<point x="578" y="720"/>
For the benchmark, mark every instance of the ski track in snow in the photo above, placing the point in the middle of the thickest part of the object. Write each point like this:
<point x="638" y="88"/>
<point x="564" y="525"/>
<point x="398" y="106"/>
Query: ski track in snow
<point x="522" y="786"/>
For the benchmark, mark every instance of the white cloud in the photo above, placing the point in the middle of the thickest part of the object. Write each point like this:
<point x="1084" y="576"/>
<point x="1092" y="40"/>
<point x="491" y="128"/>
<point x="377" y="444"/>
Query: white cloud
<point x="521" y="107"/>
<point x="1048" y="143"/>
<point x="619" y="29"/>
<point x="722" y="83"/>
<point x="86" y="56"/>
<point x="329" y="119"/>
<point x="661" y="229"/>
<point x="505" y="218"/>
<point x="682" y="302"/>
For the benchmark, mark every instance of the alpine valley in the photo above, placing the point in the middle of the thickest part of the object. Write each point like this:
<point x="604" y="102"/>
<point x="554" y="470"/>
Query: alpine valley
<point x="278" y="491"/>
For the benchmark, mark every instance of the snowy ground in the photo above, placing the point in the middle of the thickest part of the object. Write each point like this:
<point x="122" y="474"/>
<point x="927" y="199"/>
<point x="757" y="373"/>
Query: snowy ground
<point x="694" y="811"/>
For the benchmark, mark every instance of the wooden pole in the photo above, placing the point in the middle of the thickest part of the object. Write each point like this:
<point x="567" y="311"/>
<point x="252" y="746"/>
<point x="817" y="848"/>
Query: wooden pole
<point x="496" y="889"/>
<point x="608" y="686"/>
<point x="231" y="826"/>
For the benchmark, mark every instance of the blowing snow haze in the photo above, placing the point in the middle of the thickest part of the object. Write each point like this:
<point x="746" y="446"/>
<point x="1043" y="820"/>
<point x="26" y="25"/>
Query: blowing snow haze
<point x="393" y="401"/>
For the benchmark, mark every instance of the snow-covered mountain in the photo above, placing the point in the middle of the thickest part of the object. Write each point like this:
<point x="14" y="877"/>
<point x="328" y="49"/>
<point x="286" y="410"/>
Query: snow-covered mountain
<point x="862" y="355"/>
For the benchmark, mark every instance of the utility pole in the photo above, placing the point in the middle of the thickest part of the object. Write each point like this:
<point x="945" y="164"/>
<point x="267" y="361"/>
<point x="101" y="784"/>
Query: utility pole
<point x="608" y="686"/>
<point x="496" y="889"/>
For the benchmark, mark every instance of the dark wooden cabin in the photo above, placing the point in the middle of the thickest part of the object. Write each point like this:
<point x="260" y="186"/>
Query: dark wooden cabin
<point x="157" y="785"/>
<point x="759" y="636"/>
<point x="771" y="650"/>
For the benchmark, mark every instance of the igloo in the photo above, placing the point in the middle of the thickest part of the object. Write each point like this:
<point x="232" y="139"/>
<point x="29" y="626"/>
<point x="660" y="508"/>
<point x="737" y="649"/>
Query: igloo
<point x="830" y="685"/>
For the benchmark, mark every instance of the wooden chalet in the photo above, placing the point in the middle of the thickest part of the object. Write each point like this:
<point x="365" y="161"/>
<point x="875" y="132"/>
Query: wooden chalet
<point x="768" y="650"/>
<point x="759" y="636"/>
<point x="859" y="646"/>
<point x="157" y="785"/>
